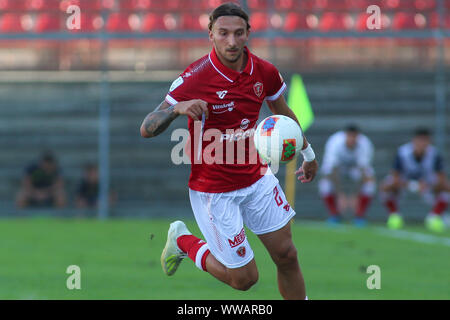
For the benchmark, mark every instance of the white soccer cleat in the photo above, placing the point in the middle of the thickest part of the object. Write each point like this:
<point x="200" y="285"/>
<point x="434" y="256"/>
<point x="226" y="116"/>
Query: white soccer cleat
<point x="172" y="255"/>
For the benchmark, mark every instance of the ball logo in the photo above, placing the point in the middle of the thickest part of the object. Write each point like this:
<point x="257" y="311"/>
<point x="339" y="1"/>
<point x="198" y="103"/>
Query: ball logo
<point x="288" y="149"/>
<point x="244" y="124"/>
<point x="241" y="252"/>
<point x="268" y="126"/>
<point x="258" y="88"/>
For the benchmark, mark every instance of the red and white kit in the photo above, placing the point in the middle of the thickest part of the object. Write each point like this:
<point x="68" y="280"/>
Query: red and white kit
<point x="225" y="195"/>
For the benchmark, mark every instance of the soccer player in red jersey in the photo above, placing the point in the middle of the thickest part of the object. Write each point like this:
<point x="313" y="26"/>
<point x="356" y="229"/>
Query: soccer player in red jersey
<point x="222" y="94"/>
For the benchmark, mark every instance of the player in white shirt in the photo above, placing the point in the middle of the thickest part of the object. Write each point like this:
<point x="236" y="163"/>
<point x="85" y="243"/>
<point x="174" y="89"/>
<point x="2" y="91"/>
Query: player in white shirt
<point x="348" y="154"/>
<point x="419" y="168"/>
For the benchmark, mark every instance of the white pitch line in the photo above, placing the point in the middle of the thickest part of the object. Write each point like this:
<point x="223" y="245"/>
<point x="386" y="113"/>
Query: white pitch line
<point x="414" y="236"/>
<point x="399" y="234"/>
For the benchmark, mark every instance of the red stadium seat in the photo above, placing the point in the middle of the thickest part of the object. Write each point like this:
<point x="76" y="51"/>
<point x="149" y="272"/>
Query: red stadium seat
<point x="425" y="4"/>
<point x="153" y="22"/>
<point x="42" y="5"/>
<point x="407" y="21"/>
<point x="119" y="22"/>
<point x="135" y="4"/>
<point x="434" y="21"/>
<point x="11" y="23"/>
<point x="90" y="22"/>
<point x="331" y="21"/>
<point x="397" y="4"/>
<point x="259" y="21"/>
<point x="167" y="5"/>
<point x="362" y="5"/>
<point x="298" y="21"/>
<point x="47" y="22"/>
<point x="194" y="22"/>
<point x="285" y="4"/>
<point x="257" y="4"/>
<point x="12" y="5"/>
<point x="158" y="22"/>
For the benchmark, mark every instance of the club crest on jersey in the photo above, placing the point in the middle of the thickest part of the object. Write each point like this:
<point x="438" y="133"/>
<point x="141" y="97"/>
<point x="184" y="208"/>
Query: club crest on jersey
<point x="258" y="88"/>
<point x="241" y="252"/>
<point x="288" y="149"/>
<point x="222" y="94"/>
<point x="268" y="126"/>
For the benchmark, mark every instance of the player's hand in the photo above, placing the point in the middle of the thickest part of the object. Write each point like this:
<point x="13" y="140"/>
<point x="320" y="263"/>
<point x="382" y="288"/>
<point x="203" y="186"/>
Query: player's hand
<point x="192" y="108"/>
<point x="307" y="171"/>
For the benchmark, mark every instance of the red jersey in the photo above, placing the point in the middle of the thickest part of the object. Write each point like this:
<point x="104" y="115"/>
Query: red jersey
<point x="234" y="102"/>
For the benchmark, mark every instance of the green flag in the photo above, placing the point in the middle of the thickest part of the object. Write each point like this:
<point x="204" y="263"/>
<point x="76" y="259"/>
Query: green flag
<point x="299" y="103"/>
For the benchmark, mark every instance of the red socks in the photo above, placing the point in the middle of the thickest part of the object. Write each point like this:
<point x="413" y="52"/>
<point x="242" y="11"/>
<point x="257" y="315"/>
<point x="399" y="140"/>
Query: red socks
<point x="391" y="205"/>
<point x="439" y="206"/>
<point x="330" y="202"/>
<point x="363" y="204"/>
<point x="196" y="249"/>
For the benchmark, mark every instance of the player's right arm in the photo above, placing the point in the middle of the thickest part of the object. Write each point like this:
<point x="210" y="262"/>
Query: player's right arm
<point x="158" y="120"/>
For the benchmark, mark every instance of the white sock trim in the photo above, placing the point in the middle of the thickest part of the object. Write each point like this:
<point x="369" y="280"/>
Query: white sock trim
<point x="198" y="257"/>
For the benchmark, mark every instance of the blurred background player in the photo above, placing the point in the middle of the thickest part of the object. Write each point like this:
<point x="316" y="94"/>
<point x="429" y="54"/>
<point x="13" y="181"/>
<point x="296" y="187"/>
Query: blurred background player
<point x="42" y="184"/>
<point x="348" y="155"/>
<point x="419" y="167"/>
<point x="87" y="191"/>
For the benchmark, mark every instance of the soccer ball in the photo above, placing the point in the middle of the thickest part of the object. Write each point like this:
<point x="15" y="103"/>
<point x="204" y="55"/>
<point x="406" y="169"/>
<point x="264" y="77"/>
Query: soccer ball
<point x="278" y="139"/>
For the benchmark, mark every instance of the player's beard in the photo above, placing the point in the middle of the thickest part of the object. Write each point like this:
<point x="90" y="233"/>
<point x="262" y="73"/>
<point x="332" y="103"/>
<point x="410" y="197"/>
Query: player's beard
<point x="229" y="60"/>
<point x="235" y="59"/>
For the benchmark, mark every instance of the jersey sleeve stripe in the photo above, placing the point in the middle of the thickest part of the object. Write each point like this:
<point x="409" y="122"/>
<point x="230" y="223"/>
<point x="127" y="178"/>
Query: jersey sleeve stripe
<point x="171" y="100"/>
<point x="278" y="94"/>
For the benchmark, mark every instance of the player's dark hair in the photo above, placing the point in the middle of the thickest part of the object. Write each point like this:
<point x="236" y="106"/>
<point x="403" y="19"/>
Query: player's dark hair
<point x="353" y="128"/>
<point x="422" y="132"/>
<point x="228" y="9"/>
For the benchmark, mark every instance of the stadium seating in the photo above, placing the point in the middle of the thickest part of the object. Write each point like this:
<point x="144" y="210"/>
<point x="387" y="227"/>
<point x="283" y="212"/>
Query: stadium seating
<point x="408" y="21"/>
<point x="11" y="23"/>
<point x="257" y="4"/>
<point x="259" y="21"/>
<point x="47" y="22"/>
<point x="12" y="5"/>
<point x="331" y="21"/>
<point x="91" y="22"/>
<point x="297" y="21"/>
<point x="194" y="22"/>
<point x="41" y="5"/>
<point x="119" y="22"/>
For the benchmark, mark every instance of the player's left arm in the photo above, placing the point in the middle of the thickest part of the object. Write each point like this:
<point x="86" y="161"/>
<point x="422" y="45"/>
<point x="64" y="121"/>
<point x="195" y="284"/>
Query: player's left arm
<point x="309" y="168"/>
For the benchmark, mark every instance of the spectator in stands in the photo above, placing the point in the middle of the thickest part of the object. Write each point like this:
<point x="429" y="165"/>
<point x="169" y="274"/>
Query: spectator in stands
<point x="348" y="155"/>
<point x="42" y="184"/>
<point x="419" y="168"/>
<point x="87" y="192"/>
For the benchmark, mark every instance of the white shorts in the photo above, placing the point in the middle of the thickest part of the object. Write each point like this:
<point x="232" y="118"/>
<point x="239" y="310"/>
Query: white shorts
<point x="221" y="217"/>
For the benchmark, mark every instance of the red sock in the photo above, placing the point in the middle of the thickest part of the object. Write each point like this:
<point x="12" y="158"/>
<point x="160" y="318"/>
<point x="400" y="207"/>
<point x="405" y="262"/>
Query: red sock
<point x="363" y="204"/>
<point x="330" y="202"/>
<point x="439" y="206"/>
<point x="196" y="249"/>
<point x="391" y="205"/>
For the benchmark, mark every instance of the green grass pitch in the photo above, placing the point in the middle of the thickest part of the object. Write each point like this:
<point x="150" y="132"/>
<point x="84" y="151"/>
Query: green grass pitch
<point x="119" y="259"/>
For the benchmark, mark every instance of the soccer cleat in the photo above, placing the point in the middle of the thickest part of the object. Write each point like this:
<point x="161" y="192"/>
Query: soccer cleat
<point x="434" y="223"/>
<point x="395" y="221"/>
<point x="360" y="222"/>
<point x="172" y="255"/>
<point x="334" y="220"/>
